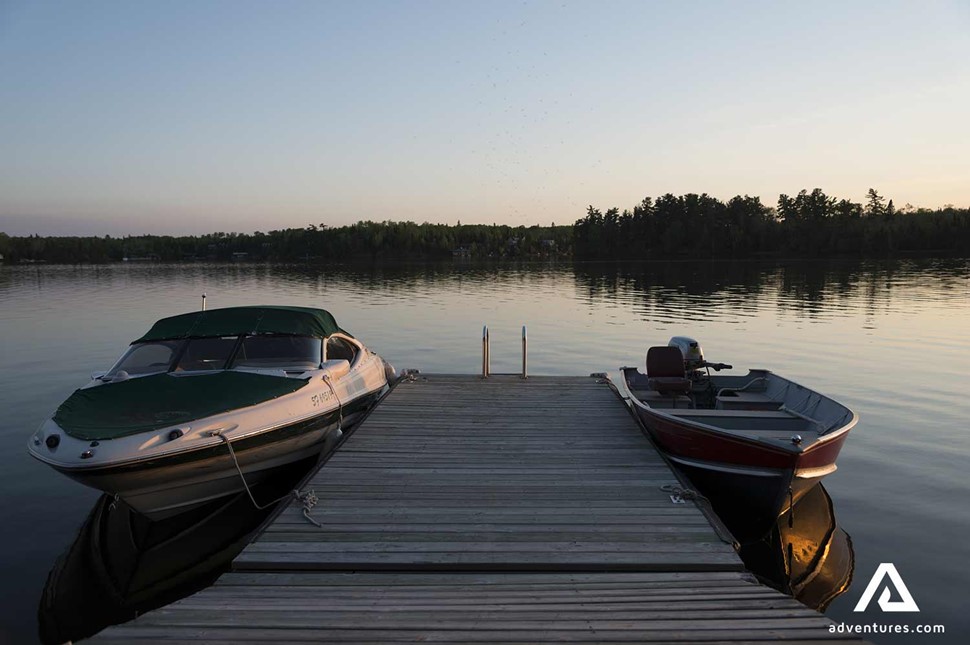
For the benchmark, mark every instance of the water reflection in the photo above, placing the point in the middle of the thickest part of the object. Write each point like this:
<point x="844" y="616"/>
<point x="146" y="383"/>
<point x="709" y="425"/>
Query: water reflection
<point x="804" y="553"/>
<point x="122" y="564"/>
<point x="816" y="290"/>
<point x="664" y="292"/>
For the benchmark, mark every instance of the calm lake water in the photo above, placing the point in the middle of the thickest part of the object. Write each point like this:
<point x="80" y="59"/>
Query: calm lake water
<point x="891" y="340"/>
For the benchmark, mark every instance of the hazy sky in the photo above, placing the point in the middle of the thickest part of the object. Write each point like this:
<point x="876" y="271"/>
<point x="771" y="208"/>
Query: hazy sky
<point x="138" y="117"/>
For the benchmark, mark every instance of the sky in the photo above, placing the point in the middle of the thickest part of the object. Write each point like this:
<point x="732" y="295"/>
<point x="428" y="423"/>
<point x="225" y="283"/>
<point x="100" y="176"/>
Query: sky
<point x="190" y="117"/>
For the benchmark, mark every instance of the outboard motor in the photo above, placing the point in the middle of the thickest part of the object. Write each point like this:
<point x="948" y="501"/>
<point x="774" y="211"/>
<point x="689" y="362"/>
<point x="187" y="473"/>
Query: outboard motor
<point x="691" y="349"/>
<point x="694" y="356"/>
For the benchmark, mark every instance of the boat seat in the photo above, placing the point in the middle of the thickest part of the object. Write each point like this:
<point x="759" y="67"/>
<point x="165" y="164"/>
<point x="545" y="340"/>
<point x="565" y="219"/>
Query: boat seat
<point x="665" y="370"/>
<point x="729" y="399"/>
<point x="742" y="414"/>
<point x="763" y="423"/>
<point x="657" y="400"/>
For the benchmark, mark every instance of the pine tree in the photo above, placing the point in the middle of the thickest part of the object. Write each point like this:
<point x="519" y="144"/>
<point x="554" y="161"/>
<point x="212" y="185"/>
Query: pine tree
<point x="875" y="205"/>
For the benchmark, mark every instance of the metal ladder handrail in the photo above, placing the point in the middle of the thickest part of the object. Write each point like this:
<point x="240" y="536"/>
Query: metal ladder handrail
<point x="487" y="358"/>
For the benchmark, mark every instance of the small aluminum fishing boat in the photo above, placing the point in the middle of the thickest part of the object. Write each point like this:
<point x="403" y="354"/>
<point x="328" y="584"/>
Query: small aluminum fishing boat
<point x="760" y="438"/>
<point x="205" y="395"/>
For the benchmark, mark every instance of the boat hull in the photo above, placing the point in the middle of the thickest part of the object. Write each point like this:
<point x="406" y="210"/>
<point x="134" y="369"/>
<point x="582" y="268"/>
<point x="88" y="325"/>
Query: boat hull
<point x="768" y="479"/>
<point x="761" y="494"/>
<point x="166" y="486"/>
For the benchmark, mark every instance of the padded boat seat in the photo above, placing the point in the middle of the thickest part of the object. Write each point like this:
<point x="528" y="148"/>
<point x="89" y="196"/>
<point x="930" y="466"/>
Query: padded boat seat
<point x="665" y="370"/>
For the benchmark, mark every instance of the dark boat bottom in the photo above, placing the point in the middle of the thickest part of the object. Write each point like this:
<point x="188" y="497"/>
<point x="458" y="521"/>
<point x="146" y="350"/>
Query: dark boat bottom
<point x="759" y="499"/>
<point x="805" y="553"/>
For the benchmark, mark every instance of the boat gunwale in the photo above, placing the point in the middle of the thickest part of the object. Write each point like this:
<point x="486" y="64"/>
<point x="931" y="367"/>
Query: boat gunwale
<point x="797" y="451"/>
<point x="203" y="443"/>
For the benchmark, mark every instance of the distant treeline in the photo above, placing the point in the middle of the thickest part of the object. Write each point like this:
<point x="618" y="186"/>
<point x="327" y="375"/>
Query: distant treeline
<point x="811" y="224"/>
<point x="361" y="241"/>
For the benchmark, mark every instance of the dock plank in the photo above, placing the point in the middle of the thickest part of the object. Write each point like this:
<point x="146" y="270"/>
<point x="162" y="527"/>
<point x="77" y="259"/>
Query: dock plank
<point x="482" y="608"/>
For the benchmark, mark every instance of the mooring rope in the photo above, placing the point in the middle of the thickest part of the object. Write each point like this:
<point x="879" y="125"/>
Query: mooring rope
<point x="684" y="493"/>
<point x="340" y="406"/>
<point x="689" y="494"/>
<point x="307" y="498"/>
<point x="242" y="477"/>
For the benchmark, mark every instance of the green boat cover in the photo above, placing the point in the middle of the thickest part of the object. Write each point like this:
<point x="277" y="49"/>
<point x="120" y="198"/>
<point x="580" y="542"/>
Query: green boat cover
<point x="148" y="403"/>
<point x="233" y="321"/>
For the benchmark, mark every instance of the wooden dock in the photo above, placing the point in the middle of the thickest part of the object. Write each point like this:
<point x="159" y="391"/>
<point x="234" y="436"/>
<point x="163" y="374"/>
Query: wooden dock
<point x="499" y="510"/>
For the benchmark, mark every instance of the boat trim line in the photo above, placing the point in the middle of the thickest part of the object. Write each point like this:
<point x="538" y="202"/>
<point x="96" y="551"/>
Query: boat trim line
<point x="209" y="442"/>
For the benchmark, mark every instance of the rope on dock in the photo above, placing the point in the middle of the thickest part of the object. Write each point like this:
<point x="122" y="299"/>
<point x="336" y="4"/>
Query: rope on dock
<point x="232" y="453"/>
<point x="308" y="498"/>
<point x="688" y="494"/>
<point x="683" y="493"/>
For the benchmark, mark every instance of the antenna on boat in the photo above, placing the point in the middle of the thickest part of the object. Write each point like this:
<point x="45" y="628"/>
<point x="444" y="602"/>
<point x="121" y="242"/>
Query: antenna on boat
<point x="203" y="301"/>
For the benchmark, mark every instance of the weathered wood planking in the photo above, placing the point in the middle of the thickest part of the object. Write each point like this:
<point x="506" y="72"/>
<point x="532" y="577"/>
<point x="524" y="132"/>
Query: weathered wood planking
<point x="481" y="608"/>
<point x="499" y="511"/>
<point x="453" y="472"/>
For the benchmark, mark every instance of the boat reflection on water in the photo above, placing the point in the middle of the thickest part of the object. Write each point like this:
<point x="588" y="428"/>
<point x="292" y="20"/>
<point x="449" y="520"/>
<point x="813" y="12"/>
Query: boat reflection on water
<point x="804" y="553"/>
<point x="122" y="564"/>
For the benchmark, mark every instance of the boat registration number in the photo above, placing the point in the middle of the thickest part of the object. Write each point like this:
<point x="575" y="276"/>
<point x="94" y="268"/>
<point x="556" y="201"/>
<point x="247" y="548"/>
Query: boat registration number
<point x="319" y="399"/>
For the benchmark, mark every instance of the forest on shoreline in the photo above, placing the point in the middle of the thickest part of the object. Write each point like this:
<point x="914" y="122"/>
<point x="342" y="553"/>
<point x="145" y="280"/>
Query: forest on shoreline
<point x="810" y="224"/>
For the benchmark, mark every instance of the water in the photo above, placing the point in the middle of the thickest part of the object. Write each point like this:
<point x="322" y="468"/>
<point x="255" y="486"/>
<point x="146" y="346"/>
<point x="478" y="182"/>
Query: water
<point x="890" y="340"/>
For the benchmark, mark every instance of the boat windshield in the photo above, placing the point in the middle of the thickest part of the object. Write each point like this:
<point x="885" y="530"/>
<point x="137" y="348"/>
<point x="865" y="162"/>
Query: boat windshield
<point x="286" y="352"/>
<point x="206" y="354"/>
<point x="146" y="358"/>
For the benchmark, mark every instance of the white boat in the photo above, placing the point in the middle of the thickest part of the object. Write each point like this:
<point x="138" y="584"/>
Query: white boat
<point x="205" y="395"/>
